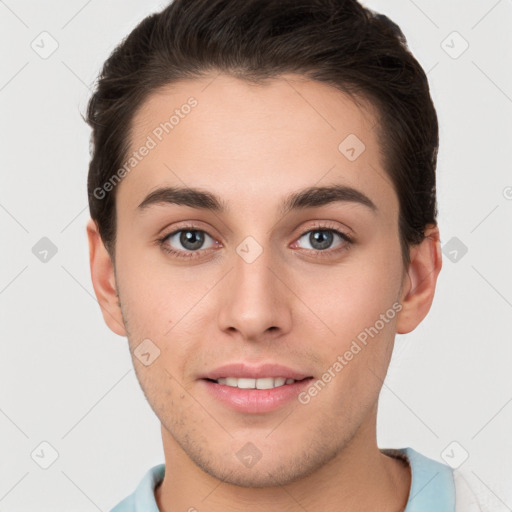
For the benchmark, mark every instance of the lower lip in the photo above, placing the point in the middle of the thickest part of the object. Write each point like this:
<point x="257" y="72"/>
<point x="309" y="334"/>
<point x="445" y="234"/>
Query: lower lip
<point x="255" y="400"/>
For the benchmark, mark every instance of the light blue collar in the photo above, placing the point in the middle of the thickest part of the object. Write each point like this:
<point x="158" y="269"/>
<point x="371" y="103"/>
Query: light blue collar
<point x="432" y="485"/>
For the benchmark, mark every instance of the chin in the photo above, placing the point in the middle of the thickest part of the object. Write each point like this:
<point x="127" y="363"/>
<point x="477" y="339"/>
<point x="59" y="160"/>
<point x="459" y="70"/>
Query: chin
<point x="266" y="472"/>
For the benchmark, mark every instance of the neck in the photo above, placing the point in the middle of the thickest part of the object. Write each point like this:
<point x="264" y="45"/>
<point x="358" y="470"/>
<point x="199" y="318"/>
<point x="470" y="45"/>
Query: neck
<point x="359" y="477"/>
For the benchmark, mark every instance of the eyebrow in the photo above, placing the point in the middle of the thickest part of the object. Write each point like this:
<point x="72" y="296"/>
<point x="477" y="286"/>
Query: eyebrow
<point x="311" y="197"/>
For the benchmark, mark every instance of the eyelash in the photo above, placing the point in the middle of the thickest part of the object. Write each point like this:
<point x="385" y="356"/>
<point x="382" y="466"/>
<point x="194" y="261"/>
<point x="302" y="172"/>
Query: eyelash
<point x="194" y="254"/>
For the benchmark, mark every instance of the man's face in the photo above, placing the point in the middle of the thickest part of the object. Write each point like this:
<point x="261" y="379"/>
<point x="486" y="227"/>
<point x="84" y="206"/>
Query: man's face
<point x="253" y="284"/>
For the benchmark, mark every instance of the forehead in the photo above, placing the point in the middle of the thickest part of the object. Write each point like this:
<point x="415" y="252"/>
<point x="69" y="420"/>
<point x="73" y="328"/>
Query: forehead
<point x="240" y="139"/>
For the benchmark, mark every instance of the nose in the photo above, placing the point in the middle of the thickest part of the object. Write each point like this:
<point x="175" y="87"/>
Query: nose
<point x="255" y="299"/>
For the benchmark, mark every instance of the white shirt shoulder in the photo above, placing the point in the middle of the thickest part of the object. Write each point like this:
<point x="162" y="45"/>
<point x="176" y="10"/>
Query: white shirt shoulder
<point x="471" y="495"/>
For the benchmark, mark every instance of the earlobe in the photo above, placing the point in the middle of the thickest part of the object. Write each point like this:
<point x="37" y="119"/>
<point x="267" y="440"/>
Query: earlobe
<point x="103" y="280"/>
<point x="418" y="293"/>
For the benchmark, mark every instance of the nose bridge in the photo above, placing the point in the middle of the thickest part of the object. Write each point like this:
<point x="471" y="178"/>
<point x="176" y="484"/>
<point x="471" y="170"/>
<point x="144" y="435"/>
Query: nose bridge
<point x="254" y="297"/>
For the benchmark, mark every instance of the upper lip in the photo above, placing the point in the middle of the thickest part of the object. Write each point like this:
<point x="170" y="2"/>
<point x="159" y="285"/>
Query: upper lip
<point x="244" y="370"/>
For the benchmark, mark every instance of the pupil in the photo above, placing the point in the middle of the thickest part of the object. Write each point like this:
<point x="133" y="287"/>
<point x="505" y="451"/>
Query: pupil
<point x="322" y="238"/>
<point x="191" y="239"/>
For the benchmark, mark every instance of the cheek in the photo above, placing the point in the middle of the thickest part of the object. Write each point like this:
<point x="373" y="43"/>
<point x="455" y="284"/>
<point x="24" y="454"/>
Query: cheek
<point x="352" y="296"/>
<point x="151" y="295"/>
<point x="357" y="306"/>
<point x="164" y="304"/>
<point x="355" y="339"/>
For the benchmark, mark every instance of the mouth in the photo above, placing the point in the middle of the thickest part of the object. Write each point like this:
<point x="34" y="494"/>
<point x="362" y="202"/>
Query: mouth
<point x="254" y="395"/>
<point x="247" y="388"/>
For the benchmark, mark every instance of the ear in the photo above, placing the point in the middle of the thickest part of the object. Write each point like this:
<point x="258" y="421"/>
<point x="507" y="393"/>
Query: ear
<point x="103" y="280"/>
<point x="420" y="282"/>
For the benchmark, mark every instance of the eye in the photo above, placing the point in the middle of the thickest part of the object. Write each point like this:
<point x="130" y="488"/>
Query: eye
<point x="185" y="242"/>
<point x="322" y="238"/>
<point x="189" y="242"/>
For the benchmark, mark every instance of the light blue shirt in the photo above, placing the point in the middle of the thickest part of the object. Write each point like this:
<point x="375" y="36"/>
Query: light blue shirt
<point x="432" y="486"/>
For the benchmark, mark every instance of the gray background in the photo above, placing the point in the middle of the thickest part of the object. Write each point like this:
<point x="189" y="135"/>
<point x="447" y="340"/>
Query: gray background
<point x="66" y="380"/>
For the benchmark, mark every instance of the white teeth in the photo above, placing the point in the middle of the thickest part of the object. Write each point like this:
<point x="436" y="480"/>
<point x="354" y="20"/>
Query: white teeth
<point x="266" y="383"/>
<point x="279" y="381"/>
<point x="263" y="383"/>
<point x="231" y="381"/>
<point x="246" y="383"/>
